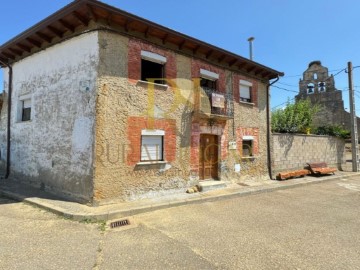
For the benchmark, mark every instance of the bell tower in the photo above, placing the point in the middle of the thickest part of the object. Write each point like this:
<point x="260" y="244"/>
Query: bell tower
<point x="319" y="87"/>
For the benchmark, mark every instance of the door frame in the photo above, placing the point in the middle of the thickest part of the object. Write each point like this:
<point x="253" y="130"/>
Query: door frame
<point x="214" y="175"/>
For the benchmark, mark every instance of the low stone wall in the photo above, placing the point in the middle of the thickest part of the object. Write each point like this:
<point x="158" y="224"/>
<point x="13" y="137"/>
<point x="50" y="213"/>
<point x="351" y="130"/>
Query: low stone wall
<point x="294" y="151"/>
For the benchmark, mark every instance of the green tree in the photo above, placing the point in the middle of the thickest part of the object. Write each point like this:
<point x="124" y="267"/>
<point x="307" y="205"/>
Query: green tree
<point x="294" y="118"/>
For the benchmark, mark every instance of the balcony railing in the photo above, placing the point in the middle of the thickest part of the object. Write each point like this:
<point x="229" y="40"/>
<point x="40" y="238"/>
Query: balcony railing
<point x="214" y="103"/>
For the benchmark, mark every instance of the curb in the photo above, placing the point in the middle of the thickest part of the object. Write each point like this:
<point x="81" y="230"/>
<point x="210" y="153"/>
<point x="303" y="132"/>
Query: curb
<point x="200" y="198"/>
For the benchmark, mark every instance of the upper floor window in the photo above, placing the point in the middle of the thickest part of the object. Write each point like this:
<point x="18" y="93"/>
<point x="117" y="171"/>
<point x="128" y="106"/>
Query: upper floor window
<point x="208" y="79"/>
<point x="245" y="91"/>
<point x="315" y="76"/>
<point x="24" y="108"/>
<point x="152" y="67"/>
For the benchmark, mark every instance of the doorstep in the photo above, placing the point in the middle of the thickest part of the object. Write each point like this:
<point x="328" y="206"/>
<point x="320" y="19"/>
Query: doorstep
<point x="211" y="184"/>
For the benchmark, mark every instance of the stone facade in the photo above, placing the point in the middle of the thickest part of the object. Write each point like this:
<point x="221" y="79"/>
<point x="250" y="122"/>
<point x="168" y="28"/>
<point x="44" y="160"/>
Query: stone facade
<point x="319" y="87"/>
<point x="292" y="152"/>
<point x="126" y="106"/>
<point x="91" y="108"/>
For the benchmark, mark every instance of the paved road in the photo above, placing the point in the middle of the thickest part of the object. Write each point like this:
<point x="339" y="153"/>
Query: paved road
<point x="311" y="227"/>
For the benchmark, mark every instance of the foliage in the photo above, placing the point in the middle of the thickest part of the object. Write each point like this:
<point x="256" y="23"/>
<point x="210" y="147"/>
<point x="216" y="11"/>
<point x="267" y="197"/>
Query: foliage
<point x="294" y="118"/>
<point x="337" y="131"/>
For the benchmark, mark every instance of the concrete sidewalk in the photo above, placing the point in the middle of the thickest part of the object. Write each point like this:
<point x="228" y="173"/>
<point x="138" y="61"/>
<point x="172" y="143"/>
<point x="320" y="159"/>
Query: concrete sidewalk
<point x="78" y="211"/>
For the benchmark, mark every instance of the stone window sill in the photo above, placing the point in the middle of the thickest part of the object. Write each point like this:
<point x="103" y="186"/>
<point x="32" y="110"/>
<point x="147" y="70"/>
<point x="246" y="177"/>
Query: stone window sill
<point x="23" y="122"/>
<point x="155" y="85"/>
<point x="248" y="158"/>
<point x="151" y="162"/>
<point x="247" y="103"/>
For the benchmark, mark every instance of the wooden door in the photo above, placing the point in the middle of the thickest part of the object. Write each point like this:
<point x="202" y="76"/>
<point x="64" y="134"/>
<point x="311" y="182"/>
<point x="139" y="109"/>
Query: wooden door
<point x="208" y="159"/>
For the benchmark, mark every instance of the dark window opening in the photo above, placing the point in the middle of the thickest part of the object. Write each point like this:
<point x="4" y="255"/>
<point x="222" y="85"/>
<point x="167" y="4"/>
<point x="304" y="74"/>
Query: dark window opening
<point x="153" y="72"/>
<point x="208" y="83"/>
<point x="26" y="114"/>
<point x="247" y="148"/>
<point x="26" y="110"/>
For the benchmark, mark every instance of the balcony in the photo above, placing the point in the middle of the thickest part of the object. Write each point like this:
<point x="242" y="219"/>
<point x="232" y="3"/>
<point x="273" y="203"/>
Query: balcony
<point x="214" y="104"/>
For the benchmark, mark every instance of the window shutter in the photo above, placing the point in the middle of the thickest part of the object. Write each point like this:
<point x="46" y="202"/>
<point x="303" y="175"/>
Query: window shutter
<point x="245" y="91"/>
<point x="27" y="103"/>
<point x="152" y="148"/>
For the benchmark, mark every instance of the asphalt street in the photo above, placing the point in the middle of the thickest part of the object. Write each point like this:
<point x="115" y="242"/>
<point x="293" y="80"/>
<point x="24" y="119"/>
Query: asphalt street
<point x="308" y="227"/>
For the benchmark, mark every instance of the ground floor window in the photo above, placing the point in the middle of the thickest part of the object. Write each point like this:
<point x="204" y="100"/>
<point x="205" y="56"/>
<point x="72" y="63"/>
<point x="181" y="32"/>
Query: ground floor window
<point x="152" y="145"/>
<point x="247" y="148"/>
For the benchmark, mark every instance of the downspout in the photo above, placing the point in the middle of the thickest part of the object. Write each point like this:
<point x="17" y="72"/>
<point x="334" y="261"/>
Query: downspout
<point x="268" y="127"/>
<point x="8" y="140"/>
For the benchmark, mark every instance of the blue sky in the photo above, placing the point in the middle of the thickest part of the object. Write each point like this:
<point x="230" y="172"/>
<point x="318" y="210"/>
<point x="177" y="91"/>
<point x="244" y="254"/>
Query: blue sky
<point x="288" y="34"/>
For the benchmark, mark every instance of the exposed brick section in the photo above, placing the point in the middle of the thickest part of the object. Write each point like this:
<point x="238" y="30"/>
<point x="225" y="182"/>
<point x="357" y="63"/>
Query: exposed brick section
<point x="134" y="64"/>
<point x="236" y="87"/>
<point x="196" y="65"/>
<point x="224" y="144"/>
<point x="240" y="132"/>
<point x="136" y="124"/>
<point x="195" y="144"/>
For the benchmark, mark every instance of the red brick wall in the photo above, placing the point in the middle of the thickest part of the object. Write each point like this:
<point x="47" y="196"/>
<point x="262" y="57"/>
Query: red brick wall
<point x="137" y="124"/>
<point x="195" y="144"/>
<point x="196" y="65"/>
<point x="236" y="87"/>
<point x="134" y="55"/>
<point x="240" y="132"/>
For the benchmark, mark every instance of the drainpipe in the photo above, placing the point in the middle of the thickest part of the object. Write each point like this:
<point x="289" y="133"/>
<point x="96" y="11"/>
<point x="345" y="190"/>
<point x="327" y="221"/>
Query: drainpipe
<point x="8" y="142"/>
<point x="268" y="127"/>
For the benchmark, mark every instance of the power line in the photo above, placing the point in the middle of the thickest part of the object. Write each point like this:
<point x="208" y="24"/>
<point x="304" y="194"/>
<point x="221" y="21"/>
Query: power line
<point x="285" y="89"/>
<point x="288" y="101"/>
<point x="291" y="85"/>
<point x="291" y="76"/>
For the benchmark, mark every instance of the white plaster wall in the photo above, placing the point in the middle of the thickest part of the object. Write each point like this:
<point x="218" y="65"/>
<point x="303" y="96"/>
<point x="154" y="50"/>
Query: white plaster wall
<point x="55" y="148"/>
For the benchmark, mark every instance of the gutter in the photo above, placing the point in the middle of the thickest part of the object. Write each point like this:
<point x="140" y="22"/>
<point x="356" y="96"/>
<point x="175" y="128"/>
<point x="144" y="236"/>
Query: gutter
<point x="8" y="141"/>
<point x="268" y="127"/>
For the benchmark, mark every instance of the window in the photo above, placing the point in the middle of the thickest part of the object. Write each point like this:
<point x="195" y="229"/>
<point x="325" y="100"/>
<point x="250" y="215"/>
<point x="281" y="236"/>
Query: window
<point x="152" y="142"/>
<point x="152" y="67"/>
<point x="245" y="91"/>
<point x="315" y="76"/>
<point x="208" y="79"/>
<point x="208" y="83"/>
<point x="24" y="108"/>
<point x="247" y="147"/>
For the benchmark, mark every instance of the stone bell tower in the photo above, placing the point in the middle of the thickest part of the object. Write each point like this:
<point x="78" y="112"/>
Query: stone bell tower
<point x="319" y="87"/>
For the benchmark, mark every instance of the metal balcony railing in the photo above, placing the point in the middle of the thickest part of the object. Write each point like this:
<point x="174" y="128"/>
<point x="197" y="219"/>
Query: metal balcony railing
<point x="212" y="102"/>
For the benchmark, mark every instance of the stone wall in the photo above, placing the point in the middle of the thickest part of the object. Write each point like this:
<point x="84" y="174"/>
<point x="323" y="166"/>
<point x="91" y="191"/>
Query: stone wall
<point x="90" y="107"/>
<point x="126" y="105"/>
<point x="294" y="151"/>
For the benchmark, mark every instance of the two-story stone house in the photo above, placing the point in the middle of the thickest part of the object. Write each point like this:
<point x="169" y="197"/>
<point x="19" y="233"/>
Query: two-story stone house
<point x="107" y="106"/>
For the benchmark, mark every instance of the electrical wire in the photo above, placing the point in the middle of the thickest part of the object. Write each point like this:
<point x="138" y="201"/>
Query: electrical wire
<point x="288" y="101"/>
<point x="285" y="89"/>
<point x="291" y="85"/>
<point x="291" y="76"/>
